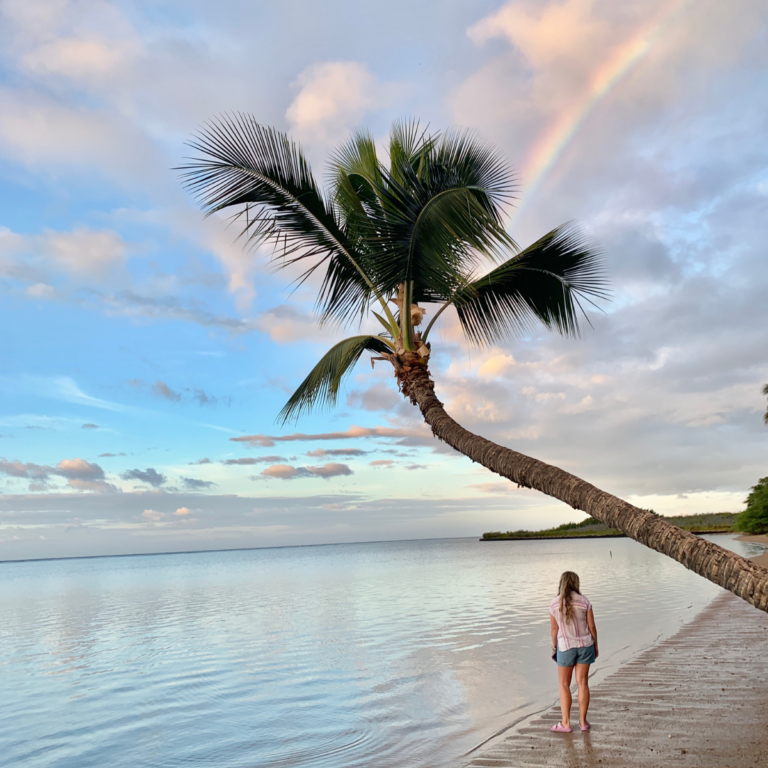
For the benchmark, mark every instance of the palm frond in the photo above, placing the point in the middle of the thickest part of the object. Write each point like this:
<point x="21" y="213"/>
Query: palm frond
<point x="544" y="282"/>
<point x="442" y="211"/>
<point x="481" y="168"/>
<point x="356" y="173"/>
<point x="409" y="144"/>
<point x="355" y="180"/>
<point x="246" y="164"/>
<point x="321" y="387"/>
<point x="765" y="392"/>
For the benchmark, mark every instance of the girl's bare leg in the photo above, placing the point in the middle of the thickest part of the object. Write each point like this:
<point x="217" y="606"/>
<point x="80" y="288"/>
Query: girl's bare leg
<point x="564" y="675"/>
<point x="582" y="681"/>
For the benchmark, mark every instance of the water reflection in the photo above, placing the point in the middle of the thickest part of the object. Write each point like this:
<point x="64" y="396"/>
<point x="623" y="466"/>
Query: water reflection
<point x="386" y="654"/>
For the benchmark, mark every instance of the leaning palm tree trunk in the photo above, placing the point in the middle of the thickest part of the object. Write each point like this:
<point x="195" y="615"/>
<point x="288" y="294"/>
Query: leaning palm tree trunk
<point x="735" y="573"/>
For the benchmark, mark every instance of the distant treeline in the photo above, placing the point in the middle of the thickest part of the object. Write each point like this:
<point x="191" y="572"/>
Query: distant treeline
<point x="722" y="522"/>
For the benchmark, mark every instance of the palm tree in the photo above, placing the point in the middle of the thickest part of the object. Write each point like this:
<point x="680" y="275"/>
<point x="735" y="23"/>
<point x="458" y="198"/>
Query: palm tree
<point x="386" y="238"/>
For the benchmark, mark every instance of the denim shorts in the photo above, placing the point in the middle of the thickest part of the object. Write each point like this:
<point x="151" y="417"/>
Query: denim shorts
<point x="576" y="656"/>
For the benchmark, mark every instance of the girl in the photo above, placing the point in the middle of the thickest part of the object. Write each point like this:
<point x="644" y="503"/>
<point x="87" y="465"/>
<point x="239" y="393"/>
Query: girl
<point x="574" y="644"/>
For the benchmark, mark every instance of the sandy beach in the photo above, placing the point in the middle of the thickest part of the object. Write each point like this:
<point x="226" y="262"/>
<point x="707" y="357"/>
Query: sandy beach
<point x="697" y="699"/>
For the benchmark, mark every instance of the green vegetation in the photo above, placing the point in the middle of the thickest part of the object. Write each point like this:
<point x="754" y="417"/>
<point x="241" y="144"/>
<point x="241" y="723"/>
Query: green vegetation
<point x="723" y="522"/>
<point x="754" y="519"/>
<point x="765" y="392"/>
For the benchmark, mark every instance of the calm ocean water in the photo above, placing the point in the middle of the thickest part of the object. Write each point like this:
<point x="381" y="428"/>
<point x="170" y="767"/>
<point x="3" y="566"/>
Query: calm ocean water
<point x="376" y="655"/>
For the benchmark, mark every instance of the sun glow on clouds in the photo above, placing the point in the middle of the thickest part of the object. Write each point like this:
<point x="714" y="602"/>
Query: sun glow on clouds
<point x="498" y="365"/>
<point x="267" y="441"/>
<point x="288" y="472"/>
<point x="181" y="515"/>
<point x="332" y="98"/>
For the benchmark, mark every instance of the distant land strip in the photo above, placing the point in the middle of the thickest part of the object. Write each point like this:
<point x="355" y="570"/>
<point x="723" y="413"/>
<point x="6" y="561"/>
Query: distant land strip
<point x="720" y="522"/>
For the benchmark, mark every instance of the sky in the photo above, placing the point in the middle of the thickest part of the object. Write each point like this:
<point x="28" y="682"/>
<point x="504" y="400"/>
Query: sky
<point x="145" y="355"/>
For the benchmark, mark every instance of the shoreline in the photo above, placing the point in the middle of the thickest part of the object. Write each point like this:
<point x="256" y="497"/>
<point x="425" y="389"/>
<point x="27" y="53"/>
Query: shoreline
<point x="667" y="706"/>
<point x="759" y="538"/>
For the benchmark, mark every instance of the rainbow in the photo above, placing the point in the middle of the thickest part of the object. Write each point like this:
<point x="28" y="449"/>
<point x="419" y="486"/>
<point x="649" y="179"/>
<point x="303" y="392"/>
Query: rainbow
<point x="549" y="148"/>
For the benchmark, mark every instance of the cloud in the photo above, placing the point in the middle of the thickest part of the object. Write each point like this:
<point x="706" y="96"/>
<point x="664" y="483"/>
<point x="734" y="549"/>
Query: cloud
<point x="330" y="470"/>
<point x="497" y="365"/>
<point x="286" y="324"/>
<point x="380" y="397"/>
<point x="203" y="398"/>
<point x="152" y="516"/>
<point x="319" y="452"/>
<point x="161" y="389"/>
<point x="550" y="35"/>
<point x="492" y="487"/>
<point x="78" y="267"/>
<point x="110" y="455"/>
<point x="20" y="469"/>
<point x="41" y="291"/>
<point x="85" y="251"/>
<point x="79" y="469"/>
<point x="149" y="476"/>
<point x="332" y="97"/>
<point x="96" y="486"/>
<point x="57" y="388"/>
<point x="381" y="463"/>
<point x="90" y="426"/>
<point x="266" y="441"/>
<point x="81" y="475"/>
<point x="201" y="461"/>
<point x="285" y="472"/>
<point x="165" y="392"/>
<point x="68" y="468"/>
<point x="415" y="466"/>
<point x="194" y="485"/>
<point x="42" y="133"/>
<point x="288" y="472"/>
<point x="131" y="303"/>
<point x="80" y="59"/>
<point x="250" y="461"/>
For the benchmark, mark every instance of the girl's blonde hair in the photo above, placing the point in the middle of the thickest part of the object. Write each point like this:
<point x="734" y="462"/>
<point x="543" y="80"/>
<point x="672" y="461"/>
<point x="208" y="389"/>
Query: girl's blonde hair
<point x="569" y="583"/>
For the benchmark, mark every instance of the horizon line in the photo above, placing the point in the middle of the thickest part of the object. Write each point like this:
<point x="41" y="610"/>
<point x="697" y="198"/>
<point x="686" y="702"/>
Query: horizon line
<point x="229" y="549"/>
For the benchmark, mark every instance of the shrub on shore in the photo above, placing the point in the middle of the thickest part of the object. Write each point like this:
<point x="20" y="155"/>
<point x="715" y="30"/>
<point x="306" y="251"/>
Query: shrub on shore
<point x="709" y="522"/>
<point x="754" y="519"/>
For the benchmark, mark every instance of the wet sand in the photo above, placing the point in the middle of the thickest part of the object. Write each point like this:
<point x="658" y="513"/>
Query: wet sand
<point x="698" y="699"/>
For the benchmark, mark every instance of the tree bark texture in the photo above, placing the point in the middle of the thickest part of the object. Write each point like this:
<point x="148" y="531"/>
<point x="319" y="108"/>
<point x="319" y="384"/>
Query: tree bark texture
<point x="737" y="574"/>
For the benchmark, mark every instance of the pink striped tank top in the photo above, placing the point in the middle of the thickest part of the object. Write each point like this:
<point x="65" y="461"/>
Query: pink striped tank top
<point x="575" y="634"/>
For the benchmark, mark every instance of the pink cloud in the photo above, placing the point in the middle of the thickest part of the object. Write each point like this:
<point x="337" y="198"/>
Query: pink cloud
<point x="79" y="469"/>
<point x="287" y="472"/>
<point x="266" y="441"/>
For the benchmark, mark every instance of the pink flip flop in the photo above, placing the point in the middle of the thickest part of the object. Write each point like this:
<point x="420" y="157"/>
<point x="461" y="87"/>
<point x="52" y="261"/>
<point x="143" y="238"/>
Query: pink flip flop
<point x="585" y="727"/>
<point x="560" y="728"/>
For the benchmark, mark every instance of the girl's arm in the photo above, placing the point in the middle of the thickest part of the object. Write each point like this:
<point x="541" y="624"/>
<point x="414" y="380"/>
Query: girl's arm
<point x="592" y="629"/>
<point x="553" y="631"/>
